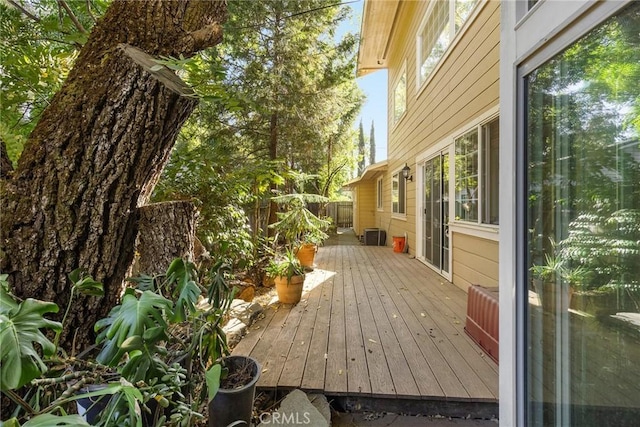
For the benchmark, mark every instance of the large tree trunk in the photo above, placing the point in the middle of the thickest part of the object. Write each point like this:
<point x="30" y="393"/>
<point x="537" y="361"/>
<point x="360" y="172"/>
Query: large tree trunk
<point x="96" y="153"/>
<point x="167" y="231"/>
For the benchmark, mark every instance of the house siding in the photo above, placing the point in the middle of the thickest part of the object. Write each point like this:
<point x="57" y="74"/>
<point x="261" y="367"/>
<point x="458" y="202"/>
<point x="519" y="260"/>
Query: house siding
<point x="475" y="261"/>
<point x="365" y="211"/>
<point x="463" y="87"/>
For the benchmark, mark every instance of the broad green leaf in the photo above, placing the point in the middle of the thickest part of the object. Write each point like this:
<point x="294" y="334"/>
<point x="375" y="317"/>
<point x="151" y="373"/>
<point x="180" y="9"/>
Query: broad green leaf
<point x="182" y="274"/>
<point x="143" y="282"/>
<point x="212" y="377"/>
<point x="131" y="318"/>
<point x="50" y="420"/>
<point x="85" y="284"/>
<point x="12" y="422"/>
<point x="20" y="362"/>
<point x="7" y="303"/>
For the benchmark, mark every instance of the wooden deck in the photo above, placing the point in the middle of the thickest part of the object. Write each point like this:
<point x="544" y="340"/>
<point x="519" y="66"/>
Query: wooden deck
<point x="375" y="326"/>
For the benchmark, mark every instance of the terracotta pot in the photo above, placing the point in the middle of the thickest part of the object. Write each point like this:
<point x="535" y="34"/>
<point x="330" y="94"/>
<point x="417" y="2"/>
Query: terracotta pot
<point x="291" y="292"/>
<point x="306" y="254"/>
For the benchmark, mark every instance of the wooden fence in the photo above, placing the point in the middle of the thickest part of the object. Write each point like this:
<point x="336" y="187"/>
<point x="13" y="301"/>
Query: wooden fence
<point x="341" y="213"/>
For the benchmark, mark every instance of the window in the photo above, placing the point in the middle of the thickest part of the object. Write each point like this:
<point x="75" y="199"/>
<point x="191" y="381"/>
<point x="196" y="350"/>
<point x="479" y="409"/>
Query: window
<point x="443" y="21"/>
<point x="398" y="193"/>
<point x="400" y="97"/>
<point x="379" y="194"/>
<point x="476" y="174"/>
<point x="490" y="172"/>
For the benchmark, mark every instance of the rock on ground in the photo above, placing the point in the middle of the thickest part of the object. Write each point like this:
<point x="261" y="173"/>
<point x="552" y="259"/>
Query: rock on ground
<point x="297" y="410"/>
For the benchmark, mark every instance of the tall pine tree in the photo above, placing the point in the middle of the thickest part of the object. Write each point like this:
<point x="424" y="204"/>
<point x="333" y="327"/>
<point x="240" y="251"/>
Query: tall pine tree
<point x="362" y="155"/>
<point x="372" y="146"/>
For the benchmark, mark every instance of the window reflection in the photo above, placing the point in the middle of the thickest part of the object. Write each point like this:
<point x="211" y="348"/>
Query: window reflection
<point x="583" y="154"/>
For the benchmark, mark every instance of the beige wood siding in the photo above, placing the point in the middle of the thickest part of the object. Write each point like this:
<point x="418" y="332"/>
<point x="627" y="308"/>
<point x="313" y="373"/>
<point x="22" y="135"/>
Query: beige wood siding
<point x="475" y="261"/>
<point x="463" y="87"/>
<point x="365" y="207"/>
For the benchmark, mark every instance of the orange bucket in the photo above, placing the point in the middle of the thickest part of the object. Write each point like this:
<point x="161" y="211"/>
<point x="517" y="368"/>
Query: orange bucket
<point x="398" y="244"/>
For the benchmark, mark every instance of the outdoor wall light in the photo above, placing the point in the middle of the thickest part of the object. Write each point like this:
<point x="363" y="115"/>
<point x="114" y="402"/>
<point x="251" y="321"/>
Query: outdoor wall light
<point x="406" y="173"/>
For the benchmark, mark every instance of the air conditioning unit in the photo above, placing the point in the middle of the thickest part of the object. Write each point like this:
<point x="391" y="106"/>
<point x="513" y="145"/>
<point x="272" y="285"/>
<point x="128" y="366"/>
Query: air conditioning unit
<point x="374" y="237"/>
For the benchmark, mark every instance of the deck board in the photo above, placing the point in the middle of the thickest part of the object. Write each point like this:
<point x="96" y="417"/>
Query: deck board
<point x="374" y="324"/>
<point x="403" y="381"/>
<point x="379" y="374"/>
<point x="466" y="359"/>
<point x="297" y="357"/>
<point x="315" y="367"/>
<point x="358" y="379"/>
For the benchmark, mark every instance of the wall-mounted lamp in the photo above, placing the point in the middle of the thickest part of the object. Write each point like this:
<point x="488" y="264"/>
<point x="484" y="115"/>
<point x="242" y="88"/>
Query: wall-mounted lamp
<point x="406" y="173"/>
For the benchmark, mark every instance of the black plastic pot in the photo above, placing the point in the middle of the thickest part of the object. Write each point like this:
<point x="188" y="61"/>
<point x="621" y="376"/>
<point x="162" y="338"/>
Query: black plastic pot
<point x="234" y="407"/>
<point x="90" y="407"/>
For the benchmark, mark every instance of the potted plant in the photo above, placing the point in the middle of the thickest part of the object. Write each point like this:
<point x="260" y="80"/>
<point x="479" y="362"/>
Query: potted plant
<point x="288" y="274"/>
<point x="301" y="229"/>
<point x="232" y="388"/>
<point x="555" y="275"/>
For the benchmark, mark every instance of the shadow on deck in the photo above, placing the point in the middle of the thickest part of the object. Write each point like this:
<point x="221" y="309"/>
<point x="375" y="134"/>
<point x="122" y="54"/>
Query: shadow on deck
<point x="375" y="330"/>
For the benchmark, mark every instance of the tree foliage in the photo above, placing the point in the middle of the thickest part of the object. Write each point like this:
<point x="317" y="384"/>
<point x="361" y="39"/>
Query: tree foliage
<point x="285" y="101"/>
<point x="362" y="155"/>
<point x="585" y="156"/>
<point x="372" y="145"/>
<point x="39" y="42"/>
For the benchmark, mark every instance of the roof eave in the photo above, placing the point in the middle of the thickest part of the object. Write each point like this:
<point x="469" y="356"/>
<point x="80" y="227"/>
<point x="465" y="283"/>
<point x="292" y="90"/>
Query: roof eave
<point x="378" y="18"/>
<point x="371" y="172"/>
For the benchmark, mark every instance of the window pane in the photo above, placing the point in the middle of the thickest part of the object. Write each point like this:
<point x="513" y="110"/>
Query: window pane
<point x="490" y="171"/>
<point x="436" y="35"/>
<point x="401" y="195"/>
<point x="394" y="194"/>
<point x="463" y="10"/>
<point x="583" y="217"/>
<point x="435" y="38"/>
<point x="400" y="98"/>
<point x="467" y="177"/>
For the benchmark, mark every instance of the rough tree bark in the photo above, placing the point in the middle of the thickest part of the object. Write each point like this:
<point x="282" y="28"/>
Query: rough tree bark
<point x="6" y="168"/>
<point x="96" y="153"/>
<point x="166" y="231"/>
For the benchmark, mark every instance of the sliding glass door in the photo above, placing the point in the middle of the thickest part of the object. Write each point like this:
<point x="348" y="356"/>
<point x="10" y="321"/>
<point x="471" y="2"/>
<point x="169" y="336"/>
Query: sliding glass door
<point x="435" y="215"/>
<point x="582" y="219"/>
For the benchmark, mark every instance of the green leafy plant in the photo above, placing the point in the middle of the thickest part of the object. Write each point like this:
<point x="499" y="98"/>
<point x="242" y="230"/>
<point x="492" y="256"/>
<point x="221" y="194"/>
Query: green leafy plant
<point x="285" y="265"/>
<point x="20" y="327"/>
<point x="159" y="341"/>
<point x="297" y="224"/>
